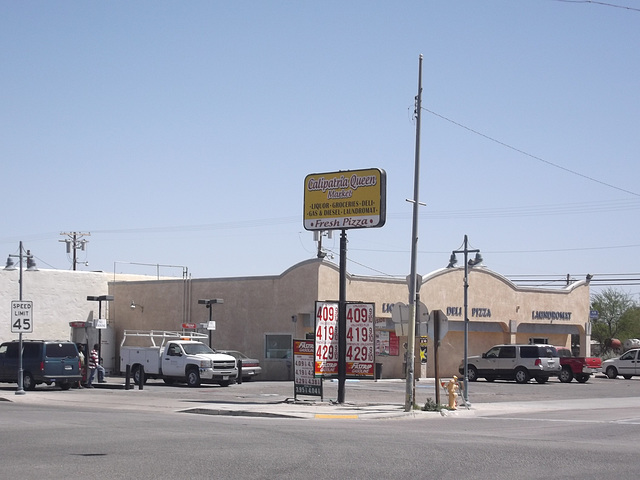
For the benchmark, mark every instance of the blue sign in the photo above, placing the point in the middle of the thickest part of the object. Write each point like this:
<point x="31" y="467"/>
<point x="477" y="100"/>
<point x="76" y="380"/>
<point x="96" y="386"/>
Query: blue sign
<point x="594" y="314"/>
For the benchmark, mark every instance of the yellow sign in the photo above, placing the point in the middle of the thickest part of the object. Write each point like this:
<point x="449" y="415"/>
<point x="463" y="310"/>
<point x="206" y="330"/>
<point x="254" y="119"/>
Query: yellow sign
<point x="346" y="199"/>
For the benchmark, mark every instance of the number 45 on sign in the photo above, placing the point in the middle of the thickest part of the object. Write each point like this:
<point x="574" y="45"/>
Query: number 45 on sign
<point x="21" y="317"/>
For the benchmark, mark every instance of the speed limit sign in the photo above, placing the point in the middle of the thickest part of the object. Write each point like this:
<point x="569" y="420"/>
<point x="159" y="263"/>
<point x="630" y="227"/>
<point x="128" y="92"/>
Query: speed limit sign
<point x="22" y="316"/>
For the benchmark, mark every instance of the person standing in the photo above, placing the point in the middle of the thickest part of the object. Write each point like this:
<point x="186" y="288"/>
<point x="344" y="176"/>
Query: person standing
<point x="83" y="366"/>
<point x="94" y="364"/>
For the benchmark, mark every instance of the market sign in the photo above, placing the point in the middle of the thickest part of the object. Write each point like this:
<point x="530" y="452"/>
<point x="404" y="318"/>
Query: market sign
<point x="345" y="199"/>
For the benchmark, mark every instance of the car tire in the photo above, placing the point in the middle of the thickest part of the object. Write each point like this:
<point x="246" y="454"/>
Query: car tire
<point x="28" y="382"/>
<point x="168" y="381"/>
<point x="193" y="377"/>
<point x="566" y="375"/>
<point x="135" y="374"/>
<point x="64" y="385"/>
<point x="627" y="377"/>
<point x="489" y="378"/>
<point x="472" y="373"/>
<point x="582" y="378"/>
<point x="225" y="383"/>
<point x="542" y="379"/>
<point x="522" y="375"/>
<point x="611" y="372"/>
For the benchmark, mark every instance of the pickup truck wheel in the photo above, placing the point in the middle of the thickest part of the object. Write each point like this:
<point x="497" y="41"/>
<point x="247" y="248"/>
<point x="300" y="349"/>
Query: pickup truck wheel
<point x="522" y="375"/>
<point x="193" y="378"/>
<point x="611" y="372"/>
<point x="472" y="373"/>
<point x="135" y="374"/>
<point x="582" y="378"/>
<point x="225" y="383"/>
<point x="566" y="375"/>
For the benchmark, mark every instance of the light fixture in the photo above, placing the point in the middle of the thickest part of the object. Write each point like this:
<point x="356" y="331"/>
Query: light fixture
<point x="11" y="265"/>
<point x="134" y="305"/>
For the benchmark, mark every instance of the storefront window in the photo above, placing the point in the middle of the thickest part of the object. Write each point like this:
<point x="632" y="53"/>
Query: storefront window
<point x="278" y="346"/>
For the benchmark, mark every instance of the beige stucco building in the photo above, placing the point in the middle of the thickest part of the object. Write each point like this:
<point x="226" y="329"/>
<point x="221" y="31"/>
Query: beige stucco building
<point x="261" y="315"/>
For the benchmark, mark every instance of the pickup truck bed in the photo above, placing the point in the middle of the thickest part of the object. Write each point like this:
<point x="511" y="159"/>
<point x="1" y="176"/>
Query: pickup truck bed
<point x="580" y="368"/>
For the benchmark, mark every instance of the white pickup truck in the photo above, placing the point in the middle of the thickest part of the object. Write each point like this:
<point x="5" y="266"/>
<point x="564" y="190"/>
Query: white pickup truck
<point x="176" y="357"/>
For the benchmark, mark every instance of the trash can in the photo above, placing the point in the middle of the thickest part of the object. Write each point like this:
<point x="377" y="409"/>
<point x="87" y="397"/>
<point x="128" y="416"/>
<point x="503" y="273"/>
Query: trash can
<point x="378" y="371"/>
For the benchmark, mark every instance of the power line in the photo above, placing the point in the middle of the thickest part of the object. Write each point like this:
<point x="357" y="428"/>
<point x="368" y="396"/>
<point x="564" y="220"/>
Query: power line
<point x="555" y="165"/>
<point x="605" y="4"/>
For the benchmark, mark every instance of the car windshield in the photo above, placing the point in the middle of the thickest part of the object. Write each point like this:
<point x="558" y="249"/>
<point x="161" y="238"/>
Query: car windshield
<point x="196" y="348"/>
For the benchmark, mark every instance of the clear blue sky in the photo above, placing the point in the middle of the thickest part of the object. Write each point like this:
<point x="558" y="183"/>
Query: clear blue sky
<point x="180" y="133"/>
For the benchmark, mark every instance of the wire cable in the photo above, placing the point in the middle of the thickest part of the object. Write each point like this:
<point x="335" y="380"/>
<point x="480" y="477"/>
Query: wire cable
<point x="522" y="152"/>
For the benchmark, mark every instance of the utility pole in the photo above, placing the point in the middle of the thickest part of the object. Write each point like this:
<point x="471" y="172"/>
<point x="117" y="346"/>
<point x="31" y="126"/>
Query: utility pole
<point x="413" y="277"/>
<point x="75" y="242"/>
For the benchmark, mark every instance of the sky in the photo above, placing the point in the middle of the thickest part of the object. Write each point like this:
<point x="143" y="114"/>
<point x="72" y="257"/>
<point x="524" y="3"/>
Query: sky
<point x="179" y="134"/>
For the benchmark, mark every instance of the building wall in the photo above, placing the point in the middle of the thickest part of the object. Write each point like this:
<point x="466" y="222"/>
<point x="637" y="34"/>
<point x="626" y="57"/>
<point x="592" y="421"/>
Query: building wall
<point x="59" y="297"/>
<point x="256" y="308"/>
<point x="259" y="310"/>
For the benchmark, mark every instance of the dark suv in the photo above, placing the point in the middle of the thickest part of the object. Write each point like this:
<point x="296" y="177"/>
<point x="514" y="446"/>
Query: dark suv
<point x="43" y="361"/>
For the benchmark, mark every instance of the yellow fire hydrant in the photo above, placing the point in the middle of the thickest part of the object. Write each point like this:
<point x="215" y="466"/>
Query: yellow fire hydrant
<point x="452" y="387"/>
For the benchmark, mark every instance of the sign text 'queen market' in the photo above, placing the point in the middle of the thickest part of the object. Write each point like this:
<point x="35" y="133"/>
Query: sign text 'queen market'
<point x="346" y="199"/>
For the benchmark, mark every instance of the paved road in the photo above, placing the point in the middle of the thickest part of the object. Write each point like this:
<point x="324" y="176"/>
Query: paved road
<point x="571" y="430"/>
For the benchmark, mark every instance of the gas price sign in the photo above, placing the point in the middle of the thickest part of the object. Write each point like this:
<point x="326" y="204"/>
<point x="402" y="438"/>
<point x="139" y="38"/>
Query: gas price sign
<point x="326" y="339"/>
<point x="360" y="339"/>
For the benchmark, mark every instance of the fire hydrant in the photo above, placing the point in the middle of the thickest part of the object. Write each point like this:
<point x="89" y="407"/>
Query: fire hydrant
<point x="452" y="387"/>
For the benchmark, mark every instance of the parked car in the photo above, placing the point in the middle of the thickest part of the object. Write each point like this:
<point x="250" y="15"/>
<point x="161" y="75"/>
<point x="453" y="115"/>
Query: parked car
<point x="514" y="362"/>
<point x="250" y="366"/>
<point x="625" y="365"/>
<point x="579" y="368"/>
<point x="43" y="361"/>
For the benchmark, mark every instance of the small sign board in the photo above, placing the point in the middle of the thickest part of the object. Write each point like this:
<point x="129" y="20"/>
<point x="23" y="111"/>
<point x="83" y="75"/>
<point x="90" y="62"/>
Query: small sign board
<point x="304" y="380"/>
<point x="189" y="326"/>
<point x="101" y="323"/>
<point x="21" y="316"/>
<point x="345" y="199"/>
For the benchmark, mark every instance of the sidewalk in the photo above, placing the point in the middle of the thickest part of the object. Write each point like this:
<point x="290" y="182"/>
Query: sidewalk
<point x="379" y="400"/>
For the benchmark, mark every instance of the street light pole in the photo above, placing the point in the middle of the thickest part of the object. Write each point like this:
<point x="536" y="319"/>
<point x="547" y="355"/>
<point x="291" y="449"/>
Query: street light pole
<point x="467" y="263"/>
<point x="208" y="303"/>
<point x="31" y="265"/>
<point x="99" y="299"/>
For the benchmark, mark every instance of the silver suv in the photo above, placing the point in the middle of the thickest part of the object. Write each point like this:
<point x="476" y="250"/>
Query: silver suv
<point x="514" y="362"/>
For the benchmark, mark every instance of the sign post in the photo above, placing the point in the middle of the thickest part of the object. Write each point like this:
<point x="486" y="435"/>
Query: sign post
<point x="340" y="201"/>
<point x="21" y="322"/>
